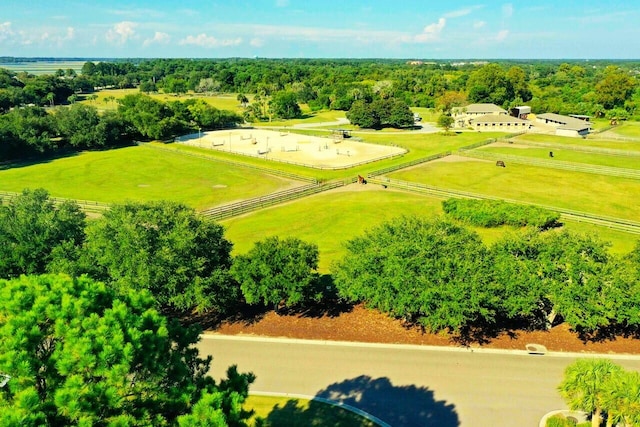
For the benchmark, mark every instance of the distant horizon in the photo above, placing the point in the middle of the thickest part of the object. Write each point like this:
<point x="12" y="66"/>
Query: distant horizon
<point x="426" y="60"/>
<point x="335" y="29"/>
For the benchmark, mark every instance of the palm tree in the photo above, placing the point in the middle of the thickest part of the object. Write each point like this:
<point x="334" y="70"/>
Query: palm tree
<point x="621" y="399"/>
<point x="585" y="383"/>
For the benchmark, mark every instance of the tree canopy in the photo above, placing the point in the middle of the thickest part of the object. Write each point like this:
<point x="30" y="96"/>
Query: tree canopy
<point x="162" y="247"/>
<point x="33" y="229"/>
<point x="276" y="271"/>
<point x="77" y="353"/>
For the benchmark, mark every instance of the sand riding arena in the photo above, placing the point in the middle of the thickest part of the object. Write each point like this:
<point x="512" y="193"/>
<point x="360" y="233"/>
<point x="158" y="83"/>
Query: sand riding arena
<point x="333" y="152"/>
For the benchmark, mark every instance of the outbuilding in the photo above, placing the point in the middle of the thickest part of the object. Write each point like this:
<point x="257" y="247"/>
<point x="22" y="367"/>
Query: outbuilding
<point x="566" y="125"/>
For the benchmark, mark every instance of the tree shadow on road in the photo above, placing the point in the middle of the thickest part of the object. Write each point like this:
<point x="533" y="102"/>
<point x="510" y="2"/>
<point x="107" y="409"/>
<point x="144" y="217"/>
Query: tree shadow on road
<point x="398" y="406"/>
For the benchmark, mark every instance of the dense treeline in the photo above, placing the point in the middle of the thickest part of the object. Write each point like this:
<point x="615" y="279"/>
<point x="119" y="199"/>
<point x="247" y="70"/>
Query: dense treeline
<point x="437" y="273"/>
<point x="586" y="87"/>
<point x="31" y="130"/>
<point x="374" y="93"/>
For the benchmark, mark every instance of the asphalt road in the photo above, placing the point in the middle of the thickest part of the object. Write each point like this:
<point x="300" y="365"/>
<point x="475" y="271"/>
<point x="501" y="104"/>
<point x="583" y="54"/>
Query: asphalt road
<point x="404" y="385"/>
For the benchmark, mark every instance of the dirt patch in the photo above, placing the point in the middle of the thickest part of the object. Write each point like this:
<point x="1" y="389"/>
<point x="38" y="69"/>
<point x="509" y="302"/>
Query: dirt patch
<point x="364" y="325"/>
<point x="290" y="147"/>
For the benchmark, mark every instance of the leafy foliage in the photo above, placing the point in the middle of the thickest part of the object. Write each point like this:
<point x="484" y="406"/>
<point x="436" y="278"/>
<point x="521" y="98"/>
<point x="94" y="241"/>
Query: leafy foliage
<point x="162" y="247"/>
<point x="430" y="272"/>
<point x="494" y="213"/>
<point x="276" y="271"/>
<point x="77" y="354"/>
<point x="33" y="229"/>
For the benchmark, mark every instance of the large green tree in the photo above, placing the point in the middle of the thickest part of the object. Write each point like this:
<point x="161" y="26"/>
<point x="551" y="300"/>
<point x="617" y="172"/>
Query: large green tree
<point x="284" y="105"/>
<point x="278" y="271"/>
<point x="434" y="273"/>
<point x="615" y="87"/>
<point x="78" y="354"/>
<point x="163" y="247"/>
<point x="33" y="229"/>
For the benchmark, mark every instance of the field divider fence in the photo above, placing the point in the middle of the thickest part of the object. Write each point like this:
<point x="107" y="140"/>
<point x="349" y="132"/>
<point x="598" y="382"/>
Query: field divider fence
<point x="407" y="164"/>
<point x="555" y="164"/>
<point x="620" y="224"/>
<point x="85" y="205"/>
<point x="583" y="149"/>
<point x="234" y="209"/>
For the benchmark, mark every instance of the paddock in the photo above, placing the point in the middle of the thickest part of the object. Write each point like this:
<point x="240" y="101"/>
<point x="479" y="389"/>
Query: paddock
<point x="289" y="147"/>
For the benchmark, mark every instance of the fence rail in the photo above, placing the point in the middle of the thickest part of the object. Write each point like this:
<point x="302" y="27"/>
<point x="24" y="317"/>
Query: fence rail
<point x="312" y="166"/>
<point x="85" y="205"/>
<point x="584" y="148"/>
<point x="556" y="164"/>
<point x="407" y="164"/>
<point x="226" y="211"/>
<point x="614" y="223"/>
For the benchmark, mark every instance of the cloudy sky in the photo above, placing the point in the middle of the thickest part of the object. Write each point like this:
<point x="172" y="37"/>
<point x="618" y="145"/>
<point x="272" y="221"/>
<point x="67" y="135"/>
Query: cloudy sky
<point x="420" y="29"/>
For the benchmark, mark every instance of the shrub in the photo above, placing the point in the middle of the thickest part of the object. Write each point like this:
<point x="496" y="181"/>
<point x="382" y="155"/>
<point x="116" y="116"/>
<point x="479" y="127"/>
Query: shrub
<point x="494" y="213"/>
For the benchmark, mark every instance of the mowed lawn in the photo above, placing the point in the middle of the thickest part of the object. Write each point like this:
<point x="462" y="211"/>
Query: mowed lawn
<point x="599" y="159"/>
<point x="599" y="194"/>
<point x="579" y="142"/>
<point x="143" y="174"/>
<point x="329" y="219"/>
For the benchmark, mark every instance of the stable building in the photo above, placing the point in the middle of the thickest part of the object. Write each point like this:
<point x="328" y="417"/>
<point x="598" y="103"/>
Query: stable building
<point x="521" y="112"/>
<point x="566" y="125"/>
<point x="463" y="116"/>
<point x="500" y="123"/>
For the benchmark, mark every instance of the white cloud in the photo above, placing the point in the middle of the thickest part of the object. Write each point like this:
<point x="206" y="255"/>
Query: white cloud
<point x="158" y="38"/>
<point x="256" y="42"/>
<point x="282" y="3"/>
<point x="6" y="33"/>
<point x="203" y="40"/>
<point x="507" y="10"/>
<point x="502" y="35"/>
<point x="461" y="12"/>
<point x="431" y="32"/>
<point x="121" y="32"/>
<point x="479" y="24"/>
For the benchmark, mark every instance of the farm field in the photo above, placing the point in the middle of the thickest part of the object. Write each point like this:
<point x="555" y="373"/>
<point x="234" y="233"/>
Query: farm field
<point x="627" y="129"/>
<point x="328" y="219"/>
<point x="579" y="142"/>
<point x="598" y="194"/>
<point x="599" y="159"/>
<point x="43" y="67"/>
<point x="142" y="173"/>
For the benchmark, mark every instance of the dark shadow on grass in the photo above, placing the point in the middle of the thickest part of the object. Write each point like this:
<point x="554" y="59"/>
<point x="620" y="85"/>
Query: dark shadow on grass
<point x="396" y="405"/>
<point x="317" y="414"/>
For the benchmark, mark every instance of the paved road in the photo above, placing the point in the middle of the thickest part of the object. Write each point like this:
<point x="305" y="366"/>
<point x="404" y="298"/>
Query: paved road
<point x="404" y="385"/>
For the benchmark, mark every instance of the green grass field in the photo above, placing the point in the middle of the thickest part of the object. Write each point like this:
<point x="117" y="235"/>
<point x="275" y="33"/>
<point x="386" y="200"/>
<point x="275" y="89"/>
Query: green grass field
<point x="579" y="142"/>
<point x="104" y="101"/>
<point x="628" y="162"/>
<point x="627" y="129"/>
<point x="289" y="412"/>
<point x="328" y="219"/>
<point x="142" y="173"/>
<point x="604" y="195"/>
<point x="43" y="67"/>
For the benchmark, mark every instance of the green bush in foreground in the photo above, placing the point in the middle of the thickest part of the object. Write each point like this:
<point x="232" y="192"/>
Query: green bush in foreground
<point x="77" y="353"/>
<point x="494" y="213"/>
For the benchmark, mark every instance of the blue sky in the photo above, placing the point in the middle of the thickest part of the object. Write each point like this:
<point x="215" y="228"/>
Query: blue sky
<point x="321" y="29"/>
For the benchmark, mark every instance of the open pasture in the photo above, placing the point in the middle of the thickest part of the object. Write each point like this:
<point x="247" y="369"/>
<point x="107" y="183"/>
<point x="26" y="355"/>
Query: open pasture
<point x="559" y="154"/>
<point x="143" y="174"/>
<point x="598" y="194"/>
<point x="560" y="141"/>
<point x="43" y="67"/>
<point x="328" y="219"/>
<point x="626" y="129"/>
<point x="288" y="147"/>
